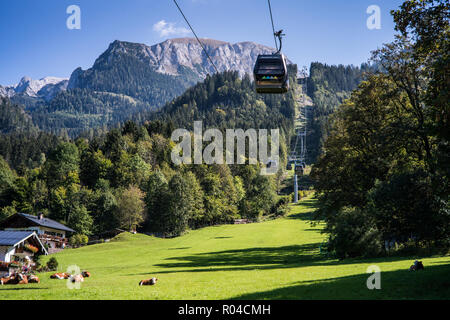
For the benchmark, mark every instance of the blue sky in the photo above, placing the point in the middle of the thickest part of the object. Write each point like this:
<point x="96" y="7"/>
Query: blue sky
<point x="36" y="42"/>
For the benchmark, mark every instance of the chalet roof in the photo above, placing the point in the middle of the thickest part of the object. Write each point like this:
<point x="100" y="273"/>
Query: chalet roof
<point x="46" y="222"/>
<point x="11" y="238"/>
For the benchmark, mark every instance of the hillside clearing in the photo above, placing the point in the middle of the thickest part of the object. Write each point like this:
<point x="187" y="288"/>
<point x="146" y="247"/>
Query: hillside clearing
<point x="277" y="259"/>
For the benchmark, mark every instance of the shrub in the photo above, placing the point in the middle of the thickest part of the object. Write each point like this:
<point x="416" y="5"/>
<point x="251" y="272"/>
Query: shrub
<point x="74" y="240"/>
<point x="6" y="212"/>
<point x="37" y="262"/>
<point x="419" y="209"/>
<point x="355" y="234"/>
<point x="78" y="240"/>
<point x="281" y="208"/>
<point x="84" y="239"/>
<point x="52" y="264"/>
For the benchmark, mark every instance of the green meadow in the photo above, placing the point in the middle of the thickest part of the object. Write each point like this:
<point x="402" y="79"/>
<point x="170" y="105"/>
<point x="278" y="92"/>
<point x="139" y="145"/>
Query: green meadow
<point x="276" y="259"/>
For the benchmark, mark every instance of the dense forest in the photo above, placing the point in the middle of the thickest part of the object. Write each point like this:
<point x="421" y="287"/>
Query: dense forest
<point x="382" y="180"/>
<point x="328" y="86"/>
<point x="13" y="118"/>
<point x="74" y="111"/>
<point x="227" y="101"/>
<point x="22" y="144"/>
<point x="125" y="177"/>
<point x="124" y="72"/>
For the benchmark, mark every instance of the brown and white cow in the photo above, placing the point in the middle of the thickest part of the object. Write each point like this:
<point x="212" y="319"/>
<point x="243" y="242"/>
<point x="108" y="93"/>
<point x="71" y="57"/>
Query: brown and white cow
<point x="148" y="282"/>
<point x="15" y="279"/>
<point x="60" y="276"/>
<point x="33" y="279"/>
<point x="418" y="265"/>
<point x="21" y="279"/>
<point x="5" y="280"/>
<point x="76" y="278"/>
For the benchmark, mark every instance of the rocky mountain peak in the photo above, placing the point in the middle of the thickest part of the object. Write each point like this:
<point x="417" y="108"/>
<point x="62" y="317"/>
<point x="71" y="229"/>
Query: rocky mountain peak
<point x="168" y="56"/>
<point x="44" y="88"/>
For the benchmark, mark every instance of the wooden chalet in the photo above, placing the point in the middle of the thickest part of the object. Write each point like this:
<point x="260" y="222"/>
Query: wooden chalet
<point x="51" y="233"/>
<point x="18" y="245"/>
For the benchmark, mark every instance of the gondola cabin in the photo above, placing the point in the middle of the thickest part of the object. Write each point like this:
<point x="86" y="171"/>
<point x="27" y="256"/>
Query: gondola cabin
<point x="271" y="74"/>
<point x="299" y="169"/>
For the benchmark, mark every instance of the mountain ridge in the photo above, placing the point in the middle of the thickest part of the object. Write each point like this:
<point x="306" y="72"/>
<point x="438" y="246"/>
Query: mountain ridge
<point x="45" y="88"/>
<point x="166" y="57"/>
<point x="169" y="55"/>
<point x="128" y="79"/>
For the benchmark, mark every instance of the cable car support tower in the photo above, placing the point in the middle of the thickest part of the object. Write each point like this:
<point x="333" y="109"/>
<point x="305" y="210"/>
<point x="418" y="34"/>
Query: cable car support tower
<point x="297" y="156"/>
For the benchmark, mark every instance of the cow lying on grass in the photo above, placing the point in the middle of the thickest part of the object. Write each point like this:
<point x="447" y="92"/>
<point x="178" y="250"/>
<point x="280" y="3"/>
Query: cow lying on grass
<point x="33" y="279"/>
<point x="7" y="280"/>
<point x="76" y="278"/>
<point x="60" y="276"/>
<point x="73" y="278"/>
<point x="15" y="279"/>
<point x="418" y="265"/>
<point x="149" y="282"/>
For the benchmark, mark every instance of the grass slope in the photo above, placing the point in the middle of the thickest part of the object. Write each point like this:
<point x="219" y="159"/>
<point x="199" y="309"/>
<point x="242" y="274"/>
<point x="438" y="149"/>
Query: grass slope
<point x="277" y="259"/>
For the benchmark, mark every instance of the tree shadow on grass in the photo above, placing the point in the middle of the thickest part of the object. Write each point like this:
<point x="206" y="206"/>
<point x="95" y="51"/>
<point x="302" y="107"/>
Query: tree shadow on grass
<point x="431" y="283"/>
<point x="252" y="256"/>
<point x="262" y="258"/>
<point x="243" y="259"/>
<point x="10" y="288"/>
<point x="306" y="216"/>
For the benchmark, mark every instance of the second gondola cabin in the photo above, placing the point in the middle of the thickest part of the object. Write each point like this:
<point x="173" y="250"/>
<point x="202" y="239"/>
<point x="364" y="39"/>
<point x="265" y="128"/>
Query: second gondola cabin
<point x="299" y="170"/>
<point x="270" y="73"/>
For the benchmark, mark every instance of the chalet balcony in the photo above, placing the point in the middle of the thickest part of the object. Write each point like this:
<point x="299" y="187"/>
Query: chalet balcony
<point x="58" y="241"/>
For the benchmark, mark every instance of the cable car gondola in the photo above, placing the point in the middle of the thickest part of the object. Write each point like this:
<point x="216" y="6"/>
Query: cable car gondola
<point x="299" y="169"/>
<point x="289" y="166"/>
<point x="271" y="74"/>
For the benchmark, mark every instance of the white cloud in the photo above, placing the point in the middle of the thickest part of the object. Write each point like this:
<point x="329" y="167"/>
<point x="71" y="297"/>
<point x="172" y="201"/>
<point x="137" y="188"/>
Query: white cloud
<point x="166" y="29"/>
